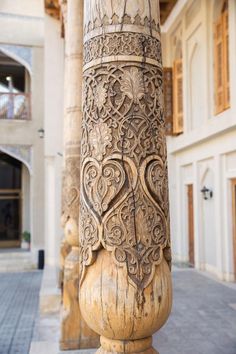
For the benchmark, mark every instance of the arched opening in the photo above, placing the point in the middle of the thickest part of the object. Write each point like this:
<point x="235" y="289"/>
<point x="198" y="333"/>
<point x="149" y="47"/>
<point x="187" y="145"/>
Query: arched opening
<point x="14" y="201"/>
<point x="14" y="89"/>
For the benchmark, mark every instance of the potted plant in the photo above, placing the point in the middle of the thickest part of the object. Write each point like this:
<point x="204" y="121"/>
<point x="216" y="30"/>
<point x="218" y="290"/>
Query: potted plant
<point x="25" y="244"/>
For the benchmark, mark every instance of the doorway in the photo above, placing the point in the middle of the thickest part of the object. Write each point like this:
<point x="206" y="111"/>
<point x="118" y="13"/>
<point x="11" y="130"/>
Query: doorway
<point x="10" y="201"/>
<point x="190" y="224"/>
<point x="233" y="184"/>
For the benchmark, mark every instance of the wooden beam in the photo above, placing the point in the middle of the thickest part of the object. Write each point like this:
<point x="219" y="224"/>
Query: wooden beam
<point x="52" y="8"/>
<point x="166" y="7"/>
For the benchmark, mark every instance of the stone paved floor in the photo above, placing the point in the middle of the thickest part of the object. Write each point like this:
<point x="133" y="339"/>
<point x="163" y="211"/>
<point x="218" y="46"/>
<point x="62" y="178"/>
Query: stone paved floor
<point x="18" y="309"/>
<point x="203" y="320"/>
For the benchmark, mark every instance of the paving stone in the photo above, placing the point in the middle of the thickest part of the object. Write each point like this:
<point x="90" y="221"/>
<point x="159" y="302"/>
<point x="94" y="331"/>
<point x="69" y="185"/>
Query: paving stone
<point x="19" y="298"/>
<point x="203" y="320"/>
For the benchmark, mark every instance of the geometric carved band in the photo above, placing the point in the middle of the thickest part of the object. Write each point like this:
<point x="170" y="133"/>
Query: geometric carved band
<point x="123" y="43"/>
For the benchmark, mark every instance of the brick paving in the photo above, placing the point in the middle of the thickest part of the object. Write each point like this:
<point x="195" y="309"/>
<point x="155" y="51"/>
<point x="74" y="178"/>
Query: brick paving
<point x="19" y="297"/>
<point x="203" y="319"/>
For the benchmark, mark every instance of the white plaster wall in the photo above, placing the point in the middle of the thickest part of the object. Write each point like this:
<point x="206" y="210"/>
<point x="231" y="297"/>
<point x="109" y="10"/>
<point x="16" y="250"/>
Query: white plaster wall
<point x="22" y="22"/>
<point x="22" y="27"/>
<point x="53" y="122"/>
<point x="206" y="152"/>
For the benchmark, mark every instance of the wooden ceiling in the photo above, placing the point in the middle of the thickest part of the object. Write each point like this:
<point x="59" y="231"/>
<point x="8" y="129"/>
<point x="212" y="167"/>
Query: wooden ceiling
<point x="53" y="8"/>
<point x="166" y="7"/>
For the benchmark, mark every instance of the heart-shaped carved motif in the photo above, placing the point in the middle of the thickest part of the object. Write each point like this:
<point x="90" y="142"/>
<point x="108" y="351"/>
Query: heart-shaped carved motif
<point x="157" y="182"/>
<point x="72" y="196"/>
<point x="154" y="178"/>
<point x="102" y="182"/>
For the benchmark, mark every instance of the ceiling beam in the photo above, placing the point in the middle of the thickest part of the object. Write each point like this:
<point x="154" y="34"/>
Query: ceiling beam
<point x="166" y="7"/>
<point x="52" y="8"/>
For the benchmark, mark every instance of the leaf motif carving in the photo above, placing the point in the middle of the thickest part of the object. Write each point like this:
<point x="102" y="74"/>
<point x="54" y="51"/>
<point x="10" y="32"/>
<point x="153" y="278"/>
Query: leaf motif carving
<point x="100" y="139"/>
<point x="132" y="85"/>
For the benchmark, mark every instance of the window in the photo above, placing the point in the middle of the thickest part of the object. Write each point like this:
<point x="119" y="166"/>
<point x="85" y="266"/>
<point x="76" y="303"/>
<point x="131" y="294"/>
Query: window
<point x="168" y="99"/>
<point x="221" y="61"/>
<point x="173" y="98"/>
<point x="178" y="97"/>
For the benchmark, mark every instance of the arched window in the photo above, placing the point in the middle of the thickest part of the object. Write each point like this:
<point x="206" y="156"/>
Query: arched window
<point x="14" y="89"/>
<point x="221" y="60"/>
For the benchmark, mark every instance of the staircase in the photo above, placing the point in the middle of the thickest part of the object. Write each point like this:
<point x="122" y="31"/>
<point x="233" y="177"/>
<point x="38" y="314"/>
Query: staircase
<point x="15" y="260"/>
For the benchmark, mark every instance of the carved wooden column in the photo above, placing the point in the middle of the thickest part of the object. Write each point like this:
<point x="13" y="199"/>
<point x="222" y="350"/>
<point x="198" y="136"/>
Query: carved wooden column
<point x="125" y="284"/>
<point x="65" y="248"/>
<point x="75" y="333"/>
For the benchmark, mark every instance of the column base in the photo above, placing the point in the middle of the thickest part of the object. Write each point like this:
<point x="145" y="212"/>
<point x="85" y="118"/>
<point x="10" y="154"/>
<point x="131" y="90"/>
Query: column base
<point x="139" y="346"/>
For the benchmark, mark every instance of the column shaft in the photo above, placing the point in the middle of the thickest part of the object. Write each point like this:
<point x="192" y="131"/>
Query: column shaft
<point x="75" y="333"/>
<point x="125" y="291"/>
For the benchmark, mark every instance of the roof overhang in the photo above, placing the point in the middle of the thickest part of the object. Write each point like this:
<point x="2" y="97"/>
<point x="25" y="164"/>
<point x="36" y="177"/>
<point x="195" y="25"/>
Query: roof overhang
<point x="166" y="7"/>
<point x="52" y="8"/>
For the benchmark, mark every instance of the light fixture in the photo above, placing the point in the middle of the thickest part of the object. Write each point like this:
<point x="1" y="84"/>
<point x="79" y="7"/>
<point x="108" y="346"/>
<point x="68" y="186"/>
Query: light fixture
<point x="207" y="193"/>
<point x="41" y="133"/>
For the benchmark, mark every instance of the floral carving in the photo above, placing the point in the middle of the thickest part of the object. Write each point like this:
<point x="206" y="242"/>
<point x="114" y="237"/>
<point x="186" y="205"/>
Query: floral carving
<point x="136" y="230"/>
<point x="122" y="44"/>
<point x="102" y="183"/>
<point x="91" y="242"/>
<point x="100" y="95"/>
<point x="70" y="205"/>
<point x="133" y="85"/>
<point x="100" y="139"/>
<point x="124" y="175"/>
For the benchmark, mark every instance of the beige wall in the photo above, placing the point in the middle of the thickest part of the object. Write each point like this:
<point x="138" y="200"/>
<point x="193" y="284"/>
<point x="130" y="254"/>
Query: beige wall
<point x="53" y="93"/>
<point x="22" y="27"/>
<point x="199" y="155"/>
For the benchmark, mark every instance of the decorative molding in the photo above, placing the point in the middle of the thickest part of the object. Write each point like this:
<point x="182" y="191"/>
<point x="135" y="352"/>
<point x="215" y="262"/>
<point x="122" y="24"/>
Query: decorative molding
<point x="19" y="52"/>
<point x="102" y="13"/>
<point x="22" y="153"/>
<point x="21" y="17"/>
<point x="113" y="44"/>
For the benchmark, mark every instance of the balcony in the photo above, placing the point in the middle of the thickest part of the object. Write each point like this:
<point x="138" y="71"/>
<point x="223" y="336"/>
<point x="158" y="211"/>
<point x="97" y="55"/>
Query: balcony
<point x="15" y="106"/>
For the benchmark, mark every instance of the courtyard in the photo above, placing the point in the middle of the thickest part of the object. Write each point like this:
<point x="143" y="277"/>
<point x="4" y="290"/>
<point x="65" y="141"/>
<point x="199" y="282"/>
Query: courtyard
<point x="203" y="318"/>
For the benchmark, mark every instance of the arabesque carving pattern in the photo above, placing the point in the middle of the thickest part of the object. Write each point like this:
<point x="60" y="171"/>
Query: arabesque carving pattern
<point x="124" y="43"/>
<point x="101" y="13"/>
<point x="124" y="200"/>
<point x="71" y="191"/>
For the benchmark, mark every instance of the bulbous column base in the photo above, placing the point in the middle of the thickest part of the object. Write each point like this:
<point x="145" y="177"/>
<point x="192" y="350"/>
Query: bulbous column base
<point x="139" y="346"/>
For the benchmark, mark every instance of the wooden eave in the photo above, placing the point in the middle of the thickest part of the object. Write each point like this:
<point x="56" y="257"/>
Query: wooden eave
<point x="166" y="7"/>
<point x="52" y="8"/>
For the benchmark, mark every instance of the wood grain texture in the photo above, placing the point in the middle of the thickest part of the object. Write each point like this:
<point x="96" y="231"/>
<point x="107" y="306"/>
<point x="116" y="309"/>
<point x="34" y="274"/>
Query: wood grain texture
<point x="75" y="333"/>
<point x="125" y="284"/>
<point x="110" y="306"/>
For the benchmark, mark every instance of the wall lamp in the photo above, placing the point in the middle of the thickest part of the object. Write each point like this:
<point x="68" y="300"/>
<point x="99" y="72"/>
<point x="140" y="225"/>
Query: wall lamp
<point x="41" y="133"/>
<point x="207" y="193"/>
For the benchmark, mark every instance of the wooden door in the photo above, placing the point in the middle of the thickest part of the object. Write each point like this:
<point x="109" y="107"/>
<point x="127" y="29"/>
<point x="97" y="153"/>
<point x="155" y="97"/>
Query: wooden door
<point x="10" y="218"/>
<point x="190" y="224"/>
<point x="234" y="223"/>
